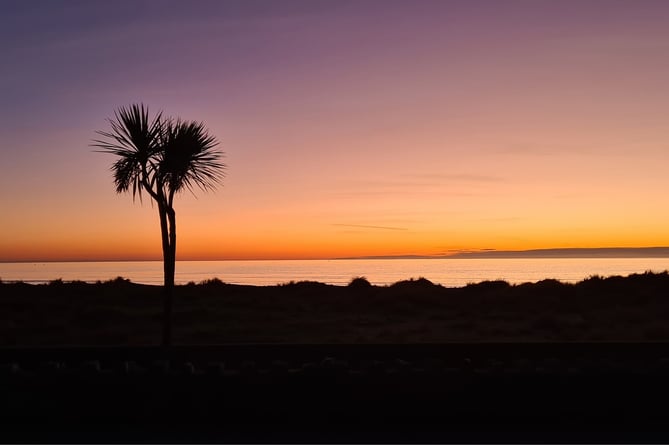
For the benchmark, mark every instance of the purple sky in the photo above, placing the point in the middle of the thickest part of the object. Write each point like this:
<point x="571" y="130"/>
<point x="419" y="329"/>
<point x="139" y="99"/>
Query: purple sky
<point x="467" y="124"/>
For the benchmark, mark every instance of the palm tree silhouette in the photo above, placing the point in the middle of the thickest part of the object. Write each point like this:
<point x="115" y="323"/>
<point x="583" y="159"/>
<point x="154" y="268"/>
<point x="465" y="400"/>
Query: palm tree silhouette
<point x="161" y="156"/>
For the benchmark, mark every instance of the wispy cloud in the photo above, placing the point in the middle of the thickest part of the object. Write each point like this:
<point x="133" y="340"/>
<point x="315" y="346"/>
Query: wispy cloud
<point x="364" y="226"/>
<point x="430" y="184"/>
<point x="448" y="252"/>
<point x="457" y="177"/>
<point x="499" y="220"/>
<point x="543" y="149"/>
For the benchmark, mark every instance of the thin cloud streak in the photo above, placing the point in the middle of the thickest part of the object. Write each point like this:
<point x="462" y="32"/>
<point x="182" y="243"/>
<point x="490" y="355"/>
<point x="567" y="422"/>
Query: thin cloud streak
<point x="363" y="226"/>
<point x="458" y="177"/>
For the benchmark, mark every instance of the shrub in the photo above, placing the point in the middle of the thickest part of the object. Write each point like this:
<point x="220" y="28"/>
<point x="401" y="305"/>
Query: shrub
<point x="212" y="282"/>
<point x="118" y="280"/>
<point x="419" y="282"/>
<point x="489" y="286"/>
<point x="359" y="283"/>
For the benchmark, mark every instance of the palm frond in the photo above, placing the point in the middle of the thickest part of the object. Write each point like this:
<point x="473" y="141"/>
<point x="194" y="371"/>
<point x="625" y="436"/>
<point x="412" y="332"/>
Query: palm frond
<point x="188" y="158"/>
<point x="134" y="138"/>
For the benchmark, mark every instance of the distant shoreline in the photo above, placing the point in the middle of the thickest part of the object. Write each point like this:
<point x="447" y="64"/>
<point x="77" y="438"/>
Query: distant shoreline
<point x="578" y="252"/>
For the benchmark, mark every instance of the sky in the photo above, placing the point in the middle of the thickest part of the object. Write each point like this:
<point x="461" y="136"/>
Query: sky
<point x="350" y="128"/>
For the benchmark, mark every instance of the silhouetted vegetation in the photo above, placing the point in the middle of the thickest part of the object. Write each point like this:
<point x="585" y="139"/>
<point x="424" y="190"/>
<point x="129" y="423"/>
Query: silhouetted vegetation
<point x="360" y="283"/>
<point x="633" y="308"/>
<point x="161" y="157"/>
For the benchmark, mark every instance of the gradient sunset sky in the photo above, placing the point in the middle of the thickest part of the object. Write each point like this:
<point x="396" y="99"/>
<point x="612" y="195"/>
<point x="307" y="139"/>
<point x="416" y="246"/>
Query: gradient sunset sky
<point x="351" y="128"/>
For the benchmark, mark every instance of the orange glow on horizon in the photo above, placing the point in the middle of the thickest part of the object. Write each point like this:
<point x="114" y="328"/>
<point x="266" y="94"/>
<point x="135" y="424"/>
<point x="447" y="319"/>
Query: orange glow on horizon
<point x="328" y="244"/>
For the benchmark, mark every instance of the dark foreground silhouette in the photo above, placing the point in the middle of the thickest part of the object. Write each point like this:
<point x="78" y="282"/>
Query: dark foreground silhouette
<point x="314" y="363"/>
<point x="634" y="308"/>
<point x="481" y="392"/>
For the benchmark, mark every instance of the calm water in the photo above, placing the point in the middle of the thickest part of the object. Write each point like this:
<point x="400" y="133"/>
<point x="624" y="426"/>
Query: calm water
<point x="448" y="272"/>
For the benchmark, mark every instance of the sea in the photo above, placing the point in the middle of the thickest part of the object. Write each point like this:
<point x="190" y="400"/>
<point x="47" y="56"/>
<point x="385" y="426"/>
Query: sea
<point x="449" y="272"/>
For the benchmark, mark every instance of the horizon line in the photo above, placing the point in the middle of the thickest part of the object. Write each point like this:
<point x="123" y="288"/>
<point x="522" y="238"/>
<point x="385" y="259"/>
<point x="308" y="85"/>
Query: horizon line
<point x="560" y="252"/>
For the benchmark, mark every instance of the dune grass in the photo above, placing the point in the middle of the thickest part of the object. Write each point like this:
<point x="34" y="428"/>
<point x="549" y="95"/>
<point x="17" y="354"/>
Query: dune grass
<point x="118" y="312"/>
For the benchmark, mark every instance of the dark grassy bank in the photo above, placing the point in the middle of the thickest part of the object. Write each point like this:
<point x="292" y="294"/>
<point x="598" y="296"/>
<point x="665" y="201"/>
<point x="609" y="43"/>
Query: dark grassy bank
<point x="118" y="312"/>
<point x="343" y="391"/>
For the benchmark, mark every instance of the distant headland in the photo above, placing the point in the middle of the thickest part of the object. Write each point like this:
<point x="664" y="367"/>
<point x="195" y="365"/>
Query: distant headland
<point x="597" y="252"/>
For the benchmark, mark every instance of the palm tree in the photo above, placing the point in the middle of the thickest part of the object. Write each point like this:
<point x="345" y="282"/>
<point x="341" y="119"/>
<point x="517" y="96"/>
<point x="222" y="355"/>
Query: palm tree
<point x="162" y="157"/>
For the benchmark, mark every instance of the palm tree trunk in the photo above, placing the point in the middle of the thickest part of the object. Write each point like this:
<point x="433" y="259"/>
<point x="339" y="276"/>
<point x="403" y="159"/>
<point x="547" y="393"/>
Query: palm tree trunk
<point x="168" y="276"/>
